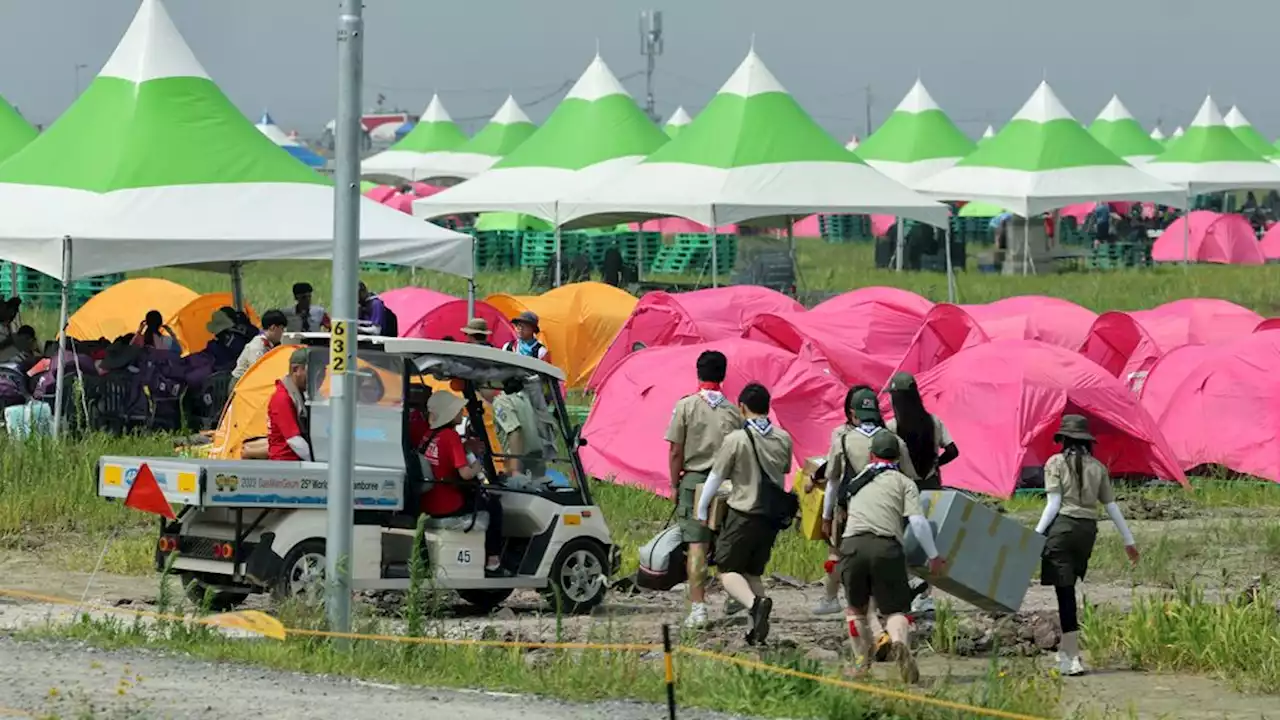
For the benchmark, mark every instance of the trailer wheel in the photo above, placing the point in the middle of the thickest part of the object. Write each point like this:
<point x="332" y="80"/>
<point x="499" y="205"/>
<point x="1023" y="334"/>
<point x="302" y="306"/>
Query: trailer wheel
<point x="198" y="589"/>
<point x="486" y="600"/>
<point x="579" y="577"/>
<point x="302" y="573"/>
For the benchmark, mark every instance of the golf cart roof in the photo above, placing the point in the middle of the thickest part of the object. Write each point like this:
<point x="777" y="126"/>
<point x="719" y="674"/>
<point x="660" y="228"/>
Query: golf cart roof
<point x="419" y="347"/>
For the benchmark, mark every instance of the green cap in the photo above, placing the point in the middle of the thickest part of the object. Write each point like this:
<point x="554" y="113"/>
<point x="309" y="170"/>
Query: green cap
<point x="884" y="445"/>
<point x="1075" y="427"/>
<point x="298" y="357"/>
<point x="902" y="381"/>
<point x="865" y="405"/>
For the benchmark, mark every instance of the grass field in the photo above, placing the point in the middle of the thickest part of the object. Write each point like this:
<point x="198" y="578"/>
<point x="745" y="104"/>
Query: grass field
<point x="1213" y="540"/>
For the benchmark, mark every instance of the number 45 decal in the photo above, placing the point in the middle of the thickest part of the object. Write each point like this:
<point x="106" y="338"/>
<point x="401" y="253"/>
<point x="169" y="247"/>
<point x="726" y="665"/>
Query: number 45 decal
<point x="464" y="557"/>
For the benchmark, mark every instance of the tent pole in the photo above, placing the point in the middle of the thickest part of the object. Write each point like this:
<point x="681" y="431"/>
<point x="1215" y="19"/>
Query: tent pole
<point x="640" y="253"/>
<point x="237" y="285"/>
<point x="61" y="371"/>
<point x="471" y="298"/>
<point x="1186" y="230"/>
<point x="715" y="250"/>
<point x="1026" y="244"/>
<point x="902" y="244"/>
<point x="556" y="282"/>
<point x="951" y="272"/>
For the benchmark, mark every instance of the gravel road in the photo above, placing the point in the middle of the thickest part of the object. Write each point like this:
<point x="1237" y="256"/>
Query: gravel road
<point x="68" y="680"/>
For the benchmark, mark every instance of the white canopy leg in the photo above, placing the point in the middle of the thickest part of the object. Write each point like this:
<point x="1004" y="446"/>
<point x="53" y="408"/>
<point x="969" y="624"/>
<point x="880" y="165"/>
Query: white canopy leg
<point x="951" y="272"/>
<point x="902" y="245"/>
<point x="60" y="371"/>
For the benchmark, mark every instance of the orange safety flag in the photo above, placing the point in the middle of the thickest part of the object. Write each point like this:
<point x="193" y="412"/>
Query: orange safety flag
<point x="145" y="495"/>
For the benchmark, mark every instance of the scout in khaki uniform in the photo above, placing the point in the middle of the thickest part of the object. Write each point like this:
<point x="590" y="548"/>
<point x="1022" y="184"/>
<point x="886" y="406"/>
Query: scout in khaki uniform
<point x="698" y="428"/>
<point x="516" y="424"/>
<point x="850" y="452"/>
<point x="872" y="560"/>
<point x="754" y="461"/>
<point x="1075" y="483"/>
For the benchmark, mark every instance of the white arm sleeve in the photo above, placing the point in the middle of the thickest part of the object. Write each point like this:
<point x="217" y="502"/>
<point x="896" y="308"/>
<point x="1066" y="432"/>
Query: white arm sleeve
<point x="1117" y="517"/>
<point x="829" y="499"/>
<point x="299" y="445"/>
<point x="709" y="489"/>
<point x="1051" y="509"/>
<point x="924" y="535"/>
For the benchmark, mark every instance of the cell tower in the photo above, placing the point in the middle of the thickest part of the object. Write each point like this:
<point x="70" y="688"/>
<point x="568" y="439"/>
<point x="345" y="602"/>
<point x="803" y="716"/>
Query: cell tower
<point x="650" y="48"/>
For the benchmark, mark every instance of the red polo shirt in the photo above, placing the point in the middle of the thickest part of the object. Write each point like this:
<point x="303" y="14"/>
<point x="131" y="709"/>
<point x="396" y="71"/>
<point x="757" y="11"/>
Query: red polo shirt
<point x="282" y="424"/>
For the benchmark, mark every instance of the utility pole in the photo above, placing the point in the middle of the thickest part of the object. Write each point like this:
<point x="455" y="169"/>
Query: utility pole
<point x="342" y="340"/>
<point x="650" y="47"/>
<point x="869" y="130"/>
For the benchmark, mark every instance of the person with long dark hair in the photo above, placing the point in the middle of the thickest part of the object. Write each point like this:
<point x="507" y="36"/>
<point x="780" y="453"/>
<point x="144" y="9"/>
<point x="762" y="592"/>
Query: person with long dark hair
<point x="927" y="439"/>
<point x="153" y="333"/>
<point x="1075" y="483"/>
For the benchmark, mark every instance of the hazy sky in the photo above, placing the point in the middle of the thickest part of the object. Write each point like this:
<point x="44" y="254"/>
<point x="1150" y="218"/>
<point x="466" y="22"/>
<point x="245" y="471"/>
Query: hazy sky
<point x="979" y="58"/>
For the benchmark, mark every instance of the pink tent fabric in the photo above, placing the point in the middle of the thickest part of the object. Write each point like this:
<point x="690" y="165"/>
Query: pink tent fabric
<point x="424" y="313"/>
<point x="1003" y="400"/>
<point x="676" y="225"/>
<point x="1268" y="324"/>
<point x="906" y="300"/>
<point x="1081" y="211"/>
<point x="628" y="422"/>
<point x="1270" y="243"/>
<point x="860" y="344"/>
<point x="1128" y="344"/>
<point x="1225" y="409"/>
<point x="882" y="225"/>
<point x="1225" y="239"/>
<point x="662" y="318"/>
<point x="945" y="331"/>
<point x="808" y="227"/>
<point x="381" y="193"/>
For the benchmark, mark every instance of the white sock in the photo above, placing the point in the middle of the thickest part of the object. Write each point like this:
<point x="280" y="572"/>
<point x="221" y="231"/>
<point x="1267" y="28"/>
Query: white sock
<point x="859" y="635"/>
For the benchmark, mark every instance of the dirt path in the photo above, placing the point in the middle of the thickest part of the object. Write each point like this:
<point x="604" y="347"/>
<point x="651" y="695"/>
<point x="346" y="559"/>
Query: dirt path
<point x="68" y="680"/>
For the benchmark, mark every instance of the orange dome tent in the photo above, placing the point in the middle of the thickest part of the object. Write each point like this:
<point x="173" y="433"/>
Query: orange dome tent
<point x="120" y="308"/>
<point x="190" y="324"/>
<point x="579" y="321"/>
<point x="245" y="417"/>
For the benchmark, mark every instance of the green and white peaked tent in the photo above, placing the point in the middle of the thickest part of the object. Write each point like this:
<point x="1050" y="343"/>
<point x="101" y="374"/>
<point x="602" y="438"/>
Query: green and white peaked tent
<point x="1252" y="139"/>
<point x="1118" y="132"/>
<point x="153" y="166"/>
<point x="596" y="131"/>
<point x="506" y="131"/>
<point x="1211" y="158"/>
<point x="1158" y="135"/>
<point x="15" y="131"/>
<point x="1177" y="133"/>
<point x="434" y="133"/>
<point x="987" y="134"/>
<point x="916" y="141"/>
<point x="676" y="123"/>
<point x="753" y="154"/>
<point x="1043" y="160"/>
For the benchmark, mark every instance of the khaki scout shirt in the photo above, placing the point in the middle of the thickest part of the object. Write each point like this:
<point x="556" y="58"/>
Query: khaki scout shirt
<point x="879" y="508"/>
<point x="513" y="413"/>
<point x="701" y="429"/>
<point x="736" y="464"/>
<point x="855" y="442"/>
<point x="1080" y="496"/>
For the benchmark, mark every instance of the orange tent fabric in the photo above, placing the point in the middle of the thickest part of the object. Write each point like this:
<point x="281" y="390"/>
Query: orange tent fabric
<point x="245" y="417"/>
<point x="190" y="323"/>
<point x="119" y="309"/>
<point x="579" y="321"/>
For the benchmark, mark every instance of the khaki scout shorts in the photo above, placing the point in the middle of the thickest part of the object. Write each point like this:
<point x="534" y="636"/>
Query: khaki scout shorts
<point x="875" y="567"/>
<point x="687" y="509"/>
<point x="745" y="544"/>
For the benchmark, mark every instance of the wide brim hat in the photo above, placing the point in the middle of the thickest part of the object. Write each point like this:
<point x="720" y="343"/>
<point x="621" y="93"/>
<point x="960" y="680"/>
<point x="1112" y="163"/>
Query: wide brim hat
<point x="527" y="318"/>
<point x="442" y="408"/>
<point x="477" y="326"/>
<point x="1075" y="427"/>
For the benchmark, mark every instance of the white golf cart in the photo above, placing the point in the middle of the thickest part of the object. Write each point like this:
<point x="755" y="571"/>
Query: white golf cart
<point x="249" y="526"/>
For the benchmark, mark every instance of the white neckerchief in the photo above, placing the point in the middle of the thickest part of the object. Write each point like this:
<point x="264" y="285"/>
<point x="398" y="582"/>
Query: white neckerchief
<point x="714" y="398"/>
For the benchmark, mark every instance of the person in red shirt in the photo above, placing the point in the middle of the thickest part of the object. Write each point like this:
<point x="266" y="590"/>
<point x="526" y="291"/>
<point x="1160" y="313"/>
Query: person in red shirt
<point x="454" y="471"/>
<point x="287" y="431"/>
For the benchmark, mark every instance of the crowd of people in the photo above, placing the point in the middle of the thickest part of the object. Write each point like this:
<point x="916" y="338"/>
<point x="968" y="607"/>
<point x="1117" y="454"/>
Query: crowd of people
<point x="728" y="463"/>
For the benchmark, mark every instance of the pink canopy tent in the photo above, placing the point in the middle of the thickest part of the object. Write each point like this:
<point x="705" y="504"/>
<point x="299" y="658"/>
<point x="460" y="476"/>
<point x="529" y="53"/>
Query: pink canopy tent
<point x="662" y="318"/>
<point x="677" y="225"/>
<point x="1081" y="211"/>
<point x="1225" y="239"/>
<point x="906" y="300"/>
<point x="1225" y="409"/>
<point x="1270" y="243"/>
<point x="625" y="429"/>
<point x="860" y="344"/>
<point x="423" y="313"/>
<point x="1003" y="400"/>
<point x="1128" y="344"/>
<point x="808" y="227"/>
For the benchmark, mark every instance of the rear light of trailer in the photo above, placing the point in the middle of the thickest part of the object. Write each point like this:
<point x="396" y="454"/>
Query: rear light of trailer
<point x="223" y="551"/>
<point x="168" y="543"/>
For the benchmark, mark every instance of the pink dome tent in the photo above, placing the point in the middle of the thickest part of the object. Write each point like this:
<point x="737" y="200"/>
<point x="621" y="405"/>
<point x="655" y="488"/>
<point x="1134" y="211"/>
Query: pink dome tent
<point x="677" y="225"/>
<point x="860" y="343"/>
<point x="1225" y="239"/>
<point x="1268" y="324"/>
<point x="948" y="329"/>
<point x="625" y="429"/>
<point x="1003" y="400"/>
<point x="906" y="300"/>
<point x="1225" y="407"/>
<point x="662" y="318"/>
<point x="423" y="313"/>
<point x="1128" y="344"/>
<point x="1270" y="243"/>
<point x="807" y="228"/>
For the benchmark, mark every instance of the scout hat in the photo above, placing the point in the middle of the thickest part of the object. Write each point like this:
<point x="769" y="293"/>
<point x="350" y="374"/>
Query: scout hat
<point x="865" y="405"/>
<point x="527" y="318"/>
<point x="902" y="381"/>
<point x="1074" y="427"/>
<point x="476" y="326"/>
<point x="298" y="357"/>
<point x="884" y="445"/>
<point x="442" y="408"/>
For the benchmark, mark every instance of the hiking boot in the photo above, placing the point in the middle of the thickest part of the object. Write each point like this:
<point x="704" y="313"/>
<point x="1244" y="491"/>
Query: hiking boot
<point x="760" y="611"/>
<point x="906" y="664"/>
<point x="697" y="619"/>
<point x="882" y="647"/>
<point x="827" y="606"/>
<point x="859" y="670"/>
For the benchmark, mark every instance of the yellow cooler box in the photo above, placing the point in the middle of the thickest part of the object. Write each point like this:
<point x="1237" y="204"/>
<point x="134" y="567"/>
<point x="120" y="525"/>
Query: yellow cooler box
<point x="810" y="503"/>
<point x="990" y="558"/>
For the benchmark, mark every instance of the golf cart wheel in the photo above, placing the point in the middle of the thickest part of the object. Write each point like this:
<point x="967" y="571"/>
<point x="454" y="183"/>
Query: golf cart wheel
<point x="302" y="573"/>
<point x="579" y="577"/>
<point x="197" y="587"/>
<point x="486" y="600"/>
